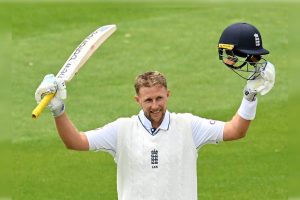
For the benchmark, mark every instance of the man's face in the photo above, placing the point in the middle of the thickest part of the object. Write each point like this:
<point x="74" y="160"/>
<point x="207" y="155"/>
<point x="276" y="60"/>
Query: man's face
<point x="153" y="101"/>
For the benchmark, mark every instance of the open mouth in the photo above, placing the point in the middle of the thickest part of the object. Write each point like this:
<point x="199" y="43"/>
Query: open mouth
<point x="155" y="113"/>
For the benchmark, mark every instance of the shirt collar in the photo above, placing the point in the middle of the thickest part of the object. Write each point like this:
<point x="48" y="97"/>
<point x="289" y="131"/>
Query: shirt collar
<point x="147" y="124"/>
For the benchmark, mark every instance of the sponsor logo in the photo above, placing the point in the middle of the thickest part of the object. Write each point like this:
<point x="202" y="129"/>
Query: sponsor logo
<point x="212" y="122"/>
<point x="75" y="54"/>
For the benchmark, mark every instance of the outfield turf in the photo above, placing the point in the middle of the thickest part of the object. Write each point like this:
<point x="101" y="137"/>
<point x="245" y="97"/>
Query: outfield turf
<point x="178" y="39"/>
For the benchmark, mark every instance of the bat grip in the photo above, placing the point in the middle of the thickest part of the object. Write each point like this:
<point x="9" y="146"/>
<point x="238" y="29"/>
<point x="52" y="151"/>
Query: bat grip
<point x="40" y="107"/>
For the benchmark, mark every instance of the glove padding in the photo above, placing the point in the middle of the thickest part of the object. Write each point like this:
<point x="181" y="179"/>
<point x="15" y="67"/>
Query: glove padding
<point x="51" y="84"/>
<point x="262" y="84"/>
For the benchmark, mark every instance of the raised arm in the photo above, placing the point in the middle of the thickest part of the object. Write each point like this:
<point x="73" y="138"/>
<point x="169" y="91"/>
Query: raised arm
<point x="72" y="138"/>
<point x="237" y="127"/>
<point x="69" y="134"/>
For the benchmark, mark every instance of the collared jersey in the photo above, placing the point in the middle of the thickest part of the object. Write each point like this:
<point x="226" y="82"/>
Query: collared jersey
<point x="204" y="131"/>
<point x="156" y="164"/>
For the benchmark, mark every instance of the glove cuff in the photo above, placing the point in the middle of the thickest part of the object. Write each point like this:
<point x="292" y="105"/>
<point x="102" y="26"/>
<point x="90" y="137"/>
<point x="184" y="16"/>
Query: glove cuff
<point x="247" y="109"/>
<point x="58" y="111"/>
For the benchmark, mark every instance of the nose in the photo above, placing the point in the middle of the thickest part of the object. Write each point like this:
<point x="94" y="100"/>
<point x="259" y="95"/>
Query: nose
<point x="154" y="105"/>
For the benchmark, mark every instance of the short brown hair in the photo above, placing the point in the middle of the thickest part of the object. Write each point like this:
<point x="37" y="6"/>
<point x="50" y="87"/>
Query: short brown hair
<point x="149" y="79"/>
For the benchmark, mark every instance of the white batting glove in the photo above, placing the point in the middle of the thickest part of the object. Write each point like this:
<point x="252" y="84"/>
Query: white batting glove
<point x="262" y="84"/>
<point x="51" y="84"/>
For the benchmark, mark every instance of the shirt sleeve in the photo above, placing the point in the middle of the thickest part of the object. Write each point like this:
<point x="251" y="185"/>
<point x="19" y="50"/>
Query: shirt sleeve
<point x="206" y="131"/>
<point x="104" y="138"/>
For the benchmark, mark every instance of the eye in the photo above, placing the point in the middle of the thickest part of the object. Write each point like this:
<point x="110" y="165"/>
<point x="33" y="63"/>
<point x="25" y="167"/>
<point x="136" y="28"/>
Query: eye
<point x="148" y="100"/>
<point x="159" y="98"/>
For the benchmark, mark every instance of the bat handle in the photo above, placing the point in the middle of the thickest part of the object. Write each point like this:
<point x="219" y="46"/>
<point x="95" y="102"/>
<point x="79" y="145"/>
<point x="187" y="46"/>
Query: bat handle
<point x="40" y="107"/>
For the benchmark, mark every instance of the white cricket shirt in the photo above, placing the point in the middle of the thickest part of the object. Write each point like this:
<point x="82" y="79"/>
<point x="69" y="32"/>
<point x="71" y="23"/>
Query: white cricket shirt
<point x="156" y="163"/>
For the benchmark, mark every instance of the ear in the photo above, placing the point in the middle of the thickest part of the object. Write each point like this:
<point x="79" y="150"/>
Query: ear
<point x="137" y="99"/>
<point x="168" y="93"/>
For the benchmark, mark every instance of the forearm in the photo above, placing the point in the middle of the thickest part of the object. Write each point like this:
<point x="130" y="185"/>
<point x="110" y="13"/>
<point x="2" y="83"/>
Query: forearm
<point x="237" y="127"/>
<point x="69" y="134"/>
<point x="71" y="137"/>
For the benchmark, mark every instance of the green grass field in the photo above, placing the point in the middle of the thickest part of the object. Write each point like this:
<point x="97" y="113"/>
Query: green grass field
<point x="178" y="39"/>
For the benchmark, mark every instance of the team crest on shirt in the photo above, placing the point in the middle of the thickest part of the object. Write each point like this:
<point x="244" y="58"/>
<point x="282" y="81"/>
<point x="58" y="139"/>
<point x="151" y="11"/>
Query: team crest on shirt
<point x="257" y="40"/>
<point x="154" y="158"/>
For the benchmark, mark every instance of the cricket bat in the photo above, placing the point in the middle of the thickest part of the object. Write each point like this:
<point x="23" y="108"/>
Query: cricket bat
<point x="77" y="59"/>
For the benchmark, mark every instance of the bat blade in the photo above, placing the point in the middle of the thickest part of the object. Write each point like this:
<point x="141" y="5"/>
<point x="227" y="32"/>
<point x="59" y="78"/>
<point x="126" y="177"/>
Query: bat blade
<point x="77" y="59"/>
<point x="84" y="50"/>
